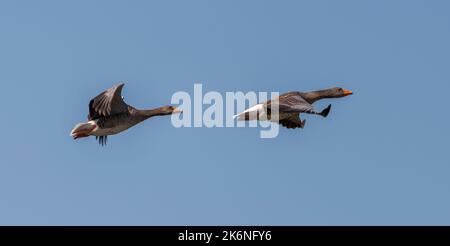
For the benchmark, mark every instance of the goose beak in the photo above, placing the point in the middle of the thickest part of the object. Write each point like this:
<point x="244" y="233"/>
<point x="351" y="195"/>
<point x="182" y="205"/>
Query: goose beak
<point x="177" y="110"/>
<point x="347" y="92"/>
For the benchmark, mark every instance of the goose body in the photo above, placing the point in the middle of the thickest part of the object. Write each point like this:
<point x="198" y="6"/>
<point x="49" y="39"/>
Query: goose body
<point x="109" y="115"/>
<point x="259" y="112"/>
<point x="290" y="105"/>
<point x="253" y="113"/>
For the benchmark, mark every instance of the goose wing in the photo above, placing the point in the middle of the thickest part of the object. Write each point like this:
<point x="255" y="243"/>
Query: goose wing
<point x="108" y="103"/>
<point x="293" y="121"/>
<point x="291" y="102"/>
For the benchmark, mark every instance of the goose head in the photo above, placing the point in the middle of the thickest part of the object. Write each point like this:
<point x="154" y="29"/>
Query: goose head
<point x="335" y="92"/>
<point x="167" y="110"/>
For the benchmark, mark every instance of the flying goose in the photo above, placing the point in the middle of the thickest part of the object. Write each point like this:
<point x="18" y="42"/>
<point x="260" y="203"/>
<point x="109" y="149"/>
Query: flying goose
<point x="109" y="115"/>
<point x="290" y="105"/>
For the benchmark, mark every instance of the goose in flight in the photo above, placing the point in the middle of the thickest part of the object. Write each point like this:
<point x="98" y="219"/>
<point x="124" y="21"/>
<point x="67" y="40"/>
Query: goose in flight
<point x="109" y="115"/>
<point x="290" y="105"/>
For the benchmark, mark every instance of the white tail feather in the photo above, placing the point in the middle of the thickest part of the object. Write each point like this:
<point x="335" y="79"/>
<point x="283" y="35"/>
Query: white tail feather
<point x="82" y="127"/>
<point x="253" y="113"/>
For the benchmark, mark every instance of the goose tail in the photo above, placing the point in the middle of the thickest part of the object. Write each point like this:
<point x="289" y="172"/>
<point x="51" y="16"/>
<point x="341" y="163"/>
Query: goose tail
<point x="82" y="129"/>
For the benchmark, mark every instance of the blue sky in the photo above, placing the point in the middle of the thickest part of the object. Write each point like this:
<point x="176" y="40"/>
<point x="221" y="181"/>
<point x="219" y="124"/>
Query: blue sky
<point x="380" y="158"/>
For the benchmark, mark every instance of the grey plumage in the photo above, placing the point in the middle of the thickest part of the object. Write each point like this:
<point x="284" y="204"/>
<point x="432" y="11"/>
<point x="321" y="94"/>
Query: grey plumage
<point x="109" y="114"/>
<point x="108" y="103"/>
<point x="291" y="104"/>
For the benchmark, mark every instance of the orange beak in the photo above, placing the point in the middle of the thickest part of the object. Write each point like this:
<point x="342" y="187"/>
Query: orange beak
<point x="177" y="110"/>
<point x="347" y="92"/>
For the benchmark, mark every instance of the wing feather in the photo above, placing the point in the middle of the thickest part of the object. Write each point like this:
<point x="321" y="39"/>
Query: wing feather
<point x="293" y="121"/>
<point x="291" y="102"/>
<point x="108" y="103"/>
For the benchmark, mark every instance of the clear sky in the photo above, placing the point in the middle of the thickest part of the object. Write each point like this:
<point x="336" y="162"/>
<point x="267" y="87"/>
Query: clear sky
<point x="380" y="158"/>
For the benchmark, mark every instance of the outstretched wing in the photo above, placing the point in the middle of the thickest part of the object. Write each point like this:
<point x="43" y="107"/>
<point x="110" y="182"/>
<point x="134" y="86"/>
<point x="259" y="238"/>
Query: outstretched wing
<point x="293" y="121"/>
<point x="291" y="102"/>
<point x="108" y="103"/>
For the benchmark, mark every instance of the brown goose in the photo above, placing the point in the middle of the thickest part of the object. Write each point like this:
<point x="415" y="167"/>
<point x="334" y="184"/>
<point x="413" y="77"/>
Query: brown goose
<point x="290" y="105"/>
<point x="109" y="115"/>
